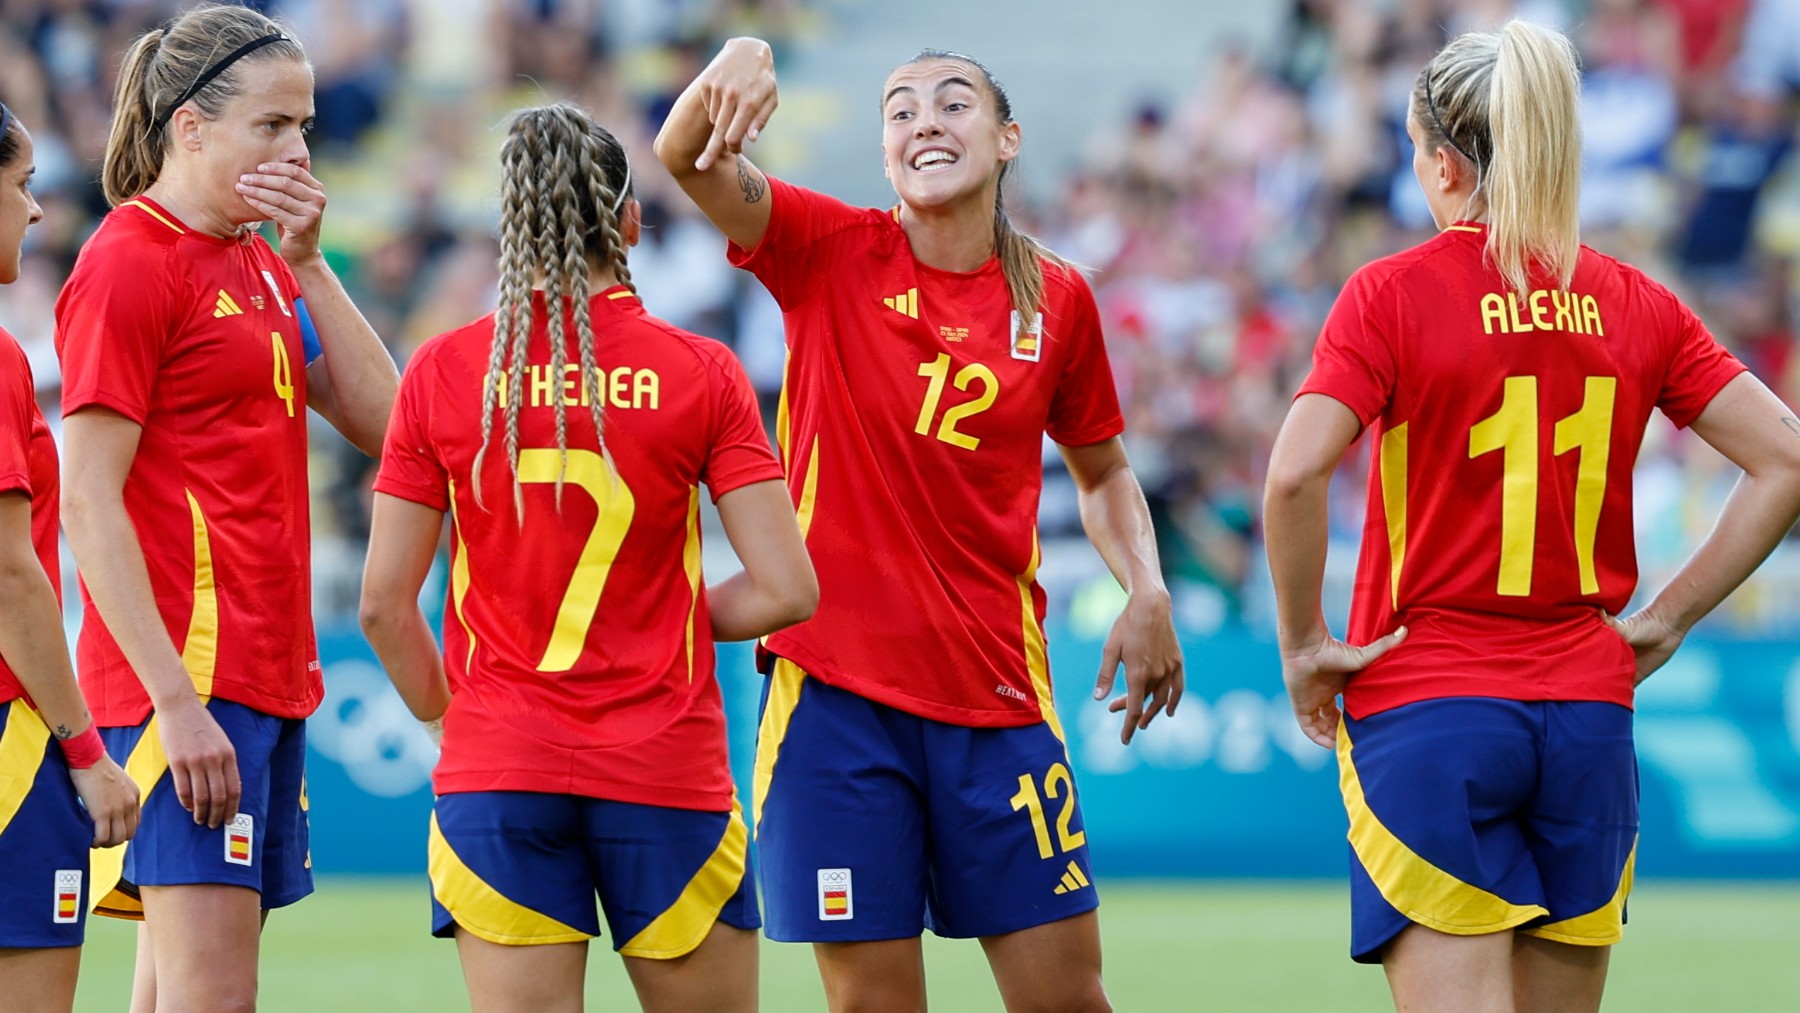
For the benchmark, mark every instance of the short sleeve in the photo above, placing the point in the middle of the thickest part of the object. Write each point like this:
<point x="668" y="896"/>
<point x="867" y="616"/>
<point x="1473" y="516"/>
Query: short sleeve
<point x="1354" y="361"/>
<point x="740" y="454"/>
<point x="410" y="467"/>
<point x="1699" y="367"/>
<point x="789" y="258"/>
<point x="1085" y="408"/>
<point x="17" y="398"/>
<point x="114" y="322"/>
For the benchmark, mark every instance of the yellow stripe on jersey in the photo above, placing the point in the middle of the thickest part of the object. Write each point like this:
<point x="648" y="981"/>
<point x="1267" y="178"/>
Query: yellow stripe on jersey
<point x="459" y="578"/>
<point x="690" y="561"/>
<point x="782" y="422"/>
<point x="483" y="910"/>
<point x="809" y="491"/>
<point x="1037" y="662"/>
<point x="1417" y="889"/>
<point x="784" y="696"/>
<point x="152" y="212"/>
<point x="1393" y="503"/>
<point x="1602" y="926"/>
<point x="21" y="754"/>
<point x="1461" y="228"/>
<point x="200" y="652"/>
<point x="622" y="294"/>
<point x="685" y="923"/>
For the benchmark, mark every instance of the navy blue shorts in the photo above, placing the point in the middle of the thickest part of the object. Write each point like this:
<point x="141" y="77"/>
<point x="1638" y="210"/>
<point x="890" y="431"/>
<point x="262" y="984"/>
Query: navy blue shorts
<point x="265" y="847"/>
<point x="872" y="823"/>
<point x="522" y="868"/>
<point x="1474" y="815"/>
<point x="44" y="837"/>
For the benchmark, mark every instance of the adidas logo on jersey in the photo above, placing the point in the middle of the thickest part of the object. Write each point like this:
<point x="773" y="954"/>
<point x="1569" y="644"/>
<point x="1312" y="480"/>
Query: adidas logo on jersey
<point x="1072" y="880"/>
<point x="906" y="303"/>
<point x="226" y="306"/>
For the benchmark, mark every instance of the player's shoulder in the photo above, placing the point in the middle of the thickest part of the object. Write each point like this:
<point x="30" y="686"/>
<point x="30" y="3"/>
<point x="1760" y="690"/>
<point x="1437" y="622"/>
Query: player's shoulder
<point x="133" y="240"/>
<point x="1064" y="280"/>
<point x="460" y="347"/>
<point x="832" y="215"/>
<point x="1422" y="264"/>
<point x="1598" y="269"/>
<point x="707" y="356"/>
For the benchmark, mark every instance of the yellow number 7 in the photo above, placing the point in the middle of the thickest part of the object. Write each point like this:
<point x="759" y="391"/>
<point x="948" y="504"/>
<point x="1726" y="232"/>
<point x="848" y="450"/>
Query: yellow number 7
<point x="590" y="473"/>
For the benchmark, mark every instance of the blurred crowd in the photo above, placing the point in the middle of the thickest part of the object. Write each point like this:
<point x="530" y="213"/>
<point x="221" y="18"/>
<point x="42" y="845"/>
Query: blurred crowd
<point x="1219" y="223"/>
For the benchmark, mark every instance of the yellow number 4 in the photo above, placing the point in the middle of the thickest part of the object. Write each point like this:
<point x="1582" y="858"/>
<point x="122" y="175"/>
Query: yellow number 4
<point x="284" y="372"/>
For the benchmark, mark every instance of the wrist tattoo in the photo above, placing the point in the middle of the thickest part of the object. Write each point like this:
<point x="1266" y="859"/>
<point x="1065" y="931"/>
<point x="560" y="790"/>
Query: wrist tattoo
<point x="62" y="732"/>
<point x="749" y="182"/>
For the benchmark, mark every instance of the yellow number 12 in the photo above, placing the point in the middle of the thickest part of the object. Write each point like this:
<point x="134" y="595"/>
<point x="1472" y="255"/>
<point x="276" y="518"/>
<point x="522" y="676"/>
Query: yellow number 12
<point x="1513" y="431"/>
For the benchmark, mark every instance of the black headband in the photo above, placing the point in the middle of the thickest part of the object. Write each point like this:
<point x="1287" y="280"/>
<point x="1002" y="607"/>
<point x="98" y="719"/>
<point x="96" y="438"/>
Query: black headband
<point x="215" y="70"/>
<point x="6" y="118"/>
<point x="1431" y="107"/>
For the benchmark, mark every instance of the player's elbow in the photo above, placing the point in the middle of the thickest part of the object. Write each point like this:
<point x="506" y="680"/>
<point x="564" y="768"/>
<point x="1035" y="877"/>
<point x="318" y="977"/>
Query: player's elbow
<point x="1291" y="479"/>
<point x="380" y="610"/>
<point x="671" y="152"/>
<point x="799" y="598"/>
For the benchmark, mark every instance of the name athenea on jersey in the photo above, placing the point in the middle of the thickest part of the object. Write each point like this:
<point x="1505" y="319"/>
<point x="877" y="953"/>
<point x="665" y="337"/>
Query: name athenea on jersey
<point x="623" y="387"/>
<point x="1541" y="310"/>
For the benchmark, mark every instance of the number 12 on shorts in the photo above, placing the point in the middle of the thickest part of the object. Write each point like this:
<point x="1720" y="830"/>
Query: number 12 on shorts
<point x="1029" y="800"/>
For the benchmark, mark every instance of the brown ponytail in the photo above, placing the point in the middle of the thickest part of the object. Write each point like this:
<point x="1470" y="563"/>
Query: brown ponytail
<point x="158" y="69"/>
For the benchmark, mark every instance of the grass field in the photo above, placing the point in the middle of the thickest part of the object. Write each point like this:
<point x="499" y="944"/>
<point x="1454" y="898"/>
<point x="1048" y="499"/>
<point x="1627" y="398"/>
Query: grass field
<point x="361" y="945"/>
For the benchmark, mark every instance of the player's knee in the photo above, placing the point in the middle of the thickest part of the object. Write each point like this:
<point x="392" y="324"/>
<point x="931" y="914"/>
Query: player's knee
<point x="1062" y="996"/>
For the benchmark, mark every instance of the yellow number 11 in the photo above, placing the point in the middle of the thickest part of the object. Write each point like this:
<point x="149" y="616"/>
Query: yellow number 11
<point x="1513" y="430"/>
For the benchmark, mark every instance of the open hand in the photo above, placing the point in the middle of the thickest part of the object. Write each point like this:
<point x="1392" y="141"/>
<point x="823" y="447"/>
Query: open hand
<point x="1143" y="639"/>
<point x="1652" y="640"/>
<point x="1316" y="674"/>
<point x="738" y="90"/>
<point x="289" y="196"/>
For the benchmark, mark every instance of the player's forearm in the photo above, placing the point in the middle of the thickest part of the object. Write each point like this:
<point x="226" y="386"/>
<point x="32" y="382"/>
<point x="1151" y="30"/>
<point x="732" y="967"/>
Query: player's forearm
<point x="363" y="376"/>
<point x="402" y="640"/>
<point x="1117" y="520"/>
<point x="1296" y="533"/>
<point x="1757" y="515"/>
<point x="741" y="609"/>
<point x="112" y="566"/>
<point x="31" y="641"/>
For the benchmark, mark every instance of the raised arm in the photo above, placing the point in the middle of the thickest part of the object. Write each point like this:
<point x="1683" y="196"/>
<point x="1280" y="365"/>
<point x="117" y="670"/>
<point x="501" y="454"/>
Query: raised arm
<point x="352" y="385"/>
<point x="1314" y="664"/>
<point x="1747" y="423"/>
<point x="777" y="587"/>
<point x="1117" y="521"/>
<point x="702" y="141"/>
<point x="31" y="641"/>
<point x="99" y="446"/>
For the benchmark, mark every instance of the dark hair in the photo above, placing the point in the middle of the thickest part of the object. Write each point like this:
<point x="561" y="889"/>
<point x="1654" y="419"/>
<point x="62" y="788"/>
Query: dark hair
<point x="161" y="67"/>
<point x="565" y="181"/>
<point x="1021" y="256"/>
<point x="9" y="138"/>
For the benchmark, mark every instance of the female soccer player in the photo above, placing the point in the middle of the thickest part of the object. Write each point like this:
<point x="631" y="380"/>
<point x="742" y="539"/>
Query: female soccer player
<point x="567" y="436"/>
<point x="54" y="803"/>
<point x="911" y="769"/>
<point x="189" y="356"/>
<point x="1506" y="374"/>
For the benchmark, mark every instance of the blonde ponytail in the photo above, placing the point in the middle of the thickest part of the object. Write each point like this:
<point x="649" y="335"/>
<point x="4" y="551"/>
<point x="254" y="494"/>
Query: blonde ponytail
<point x="134" y="147"/>
<point x="1508" y="103"/>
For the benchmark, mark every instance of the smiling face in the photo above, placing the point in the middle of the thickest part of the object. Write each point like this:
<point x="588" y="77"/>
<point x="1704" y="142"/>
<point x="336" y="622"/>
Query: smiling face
<point x="265" y="122"/>
<point x="944" y="138"/>
<point x="18" y="209"/>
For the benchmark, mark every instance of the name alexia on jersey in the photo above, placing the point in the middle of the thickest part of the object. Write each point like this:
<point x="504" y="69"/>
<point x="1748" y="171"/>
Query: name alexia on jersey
<point x="622" y="387"/>
<point x="1541" y="310"/>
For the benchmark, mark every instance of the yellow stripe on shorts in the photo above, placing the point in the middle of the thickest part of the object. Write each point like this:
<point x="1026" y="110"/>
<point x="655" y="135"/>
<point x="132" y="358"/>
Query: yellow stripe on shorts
<point x="685" y="924"/>
<point x="21" y="754"/>
<point x="483" y="910"/>
<point x="1602" y="926"/>
<point x="784" y="696"/>
<point x="1422" y="892"/>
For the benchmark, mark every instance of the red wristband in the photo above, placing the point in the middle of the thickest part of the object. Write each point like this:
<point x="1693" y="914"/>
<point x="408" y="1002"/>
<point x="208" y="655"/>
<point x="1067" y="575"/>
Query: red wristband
<point x="84" y="750"/>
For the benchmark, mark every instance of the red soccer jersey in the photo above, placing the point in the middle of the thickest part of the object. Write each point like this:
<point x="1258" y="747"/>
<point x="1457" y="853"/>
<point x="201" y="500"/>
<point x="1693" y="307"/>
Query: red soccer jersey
<point x="1504" y="431"/>
<point x="27" y="465"/>
<point x="578" y="644"/>
<point x="912" y="422"/>
<point x="195" y="338"/>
